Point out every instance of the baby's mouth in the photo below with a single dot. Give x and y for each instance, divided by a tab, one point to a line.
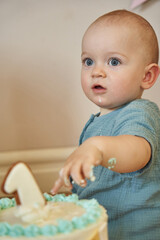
98	88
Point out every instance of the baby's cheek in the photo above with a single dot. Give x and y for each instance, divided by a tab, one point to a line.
85	85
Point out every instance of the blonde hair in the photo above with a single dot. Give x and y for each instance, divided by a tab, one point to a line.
146	33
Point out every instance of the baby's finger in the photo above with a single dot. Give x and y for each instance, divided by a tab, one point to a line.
88	171
77	175
58	184
64	175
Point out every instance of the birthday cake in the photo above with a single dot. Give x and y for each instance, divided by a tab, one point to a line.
50	217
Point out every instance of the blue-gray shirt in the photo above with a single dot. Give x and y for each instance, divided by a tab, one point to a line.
132	199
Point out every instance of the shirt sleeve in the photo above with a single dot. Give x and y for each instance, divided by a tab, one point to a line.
140	118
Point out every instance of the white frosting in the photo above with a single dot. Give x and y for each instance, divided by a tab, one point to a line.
42	215
36	214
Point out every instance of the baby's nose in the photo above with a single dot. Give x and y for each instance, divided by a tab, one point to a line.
98	71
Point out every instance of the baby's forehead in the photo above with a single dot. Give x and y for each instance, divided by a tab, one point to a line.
118	32
135	26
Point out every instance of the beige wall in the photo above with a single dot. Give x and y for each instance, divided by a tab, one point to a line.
42	104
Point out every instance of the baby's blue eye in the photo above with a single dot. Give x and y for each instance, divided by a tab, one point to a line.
88	62
114	62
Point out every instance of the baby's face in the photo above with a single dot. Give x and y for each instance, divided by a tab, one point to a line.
112	66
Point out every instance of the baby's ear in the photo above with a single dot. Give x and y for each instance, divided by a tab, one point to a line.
150	76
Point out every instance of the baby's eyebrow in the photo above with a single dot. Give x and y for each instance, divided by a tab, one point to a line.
117	53
83	53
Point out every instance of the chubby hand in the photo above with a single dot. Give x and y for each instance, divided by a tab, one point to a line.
79	166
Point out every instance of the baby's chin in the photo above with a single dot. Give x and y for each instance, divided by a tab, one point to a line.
104	104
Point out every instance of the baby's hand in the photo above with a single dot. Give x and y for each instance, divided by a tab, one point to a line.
79	166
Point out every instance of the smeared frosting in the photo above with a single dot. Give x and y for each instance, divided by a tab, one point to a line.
111	163
92	177
37	213
91	215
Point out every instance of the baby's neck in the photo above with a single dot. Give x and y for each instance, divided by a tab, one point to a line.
105	111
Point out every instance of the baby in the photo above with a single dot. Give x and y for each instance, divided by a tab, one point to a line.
120	145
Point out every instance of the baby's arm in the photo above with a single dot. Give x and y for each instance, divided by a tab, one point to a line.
131	153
